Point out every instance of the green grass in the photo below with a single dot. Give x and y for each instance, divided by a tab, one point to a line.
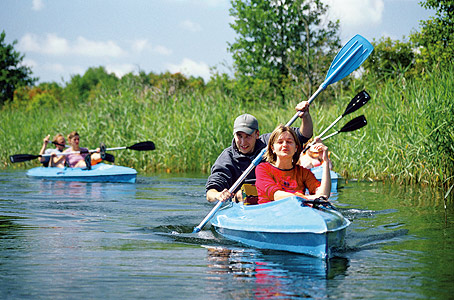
409	136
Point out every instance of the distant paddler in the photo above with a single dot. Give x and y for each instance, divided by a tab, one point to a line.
52	159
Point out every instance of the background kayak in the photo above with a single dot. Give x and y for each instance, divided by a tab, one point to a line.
99	173
334	177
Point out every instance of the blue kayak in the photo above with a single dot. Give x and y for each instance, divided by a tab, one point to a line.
99	173
283	225
318	171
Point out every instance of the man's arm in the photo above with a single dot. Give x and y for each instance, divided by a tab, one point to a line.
306	128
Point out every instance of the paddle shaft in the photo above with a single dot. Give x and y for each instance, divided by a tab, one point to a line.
296	115
323	133
218	205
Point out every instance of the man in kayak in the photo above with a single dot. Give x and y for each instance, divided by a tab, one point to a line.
246	145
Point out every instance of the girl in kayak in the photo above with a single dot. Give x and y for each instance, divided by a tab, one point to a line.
77	160
280	176
54	160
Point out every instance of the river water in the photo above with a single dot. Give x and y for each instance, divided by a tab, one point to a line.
72	240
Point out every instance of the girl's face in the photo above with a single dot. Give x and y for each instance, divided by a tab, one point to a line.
75	141
284	146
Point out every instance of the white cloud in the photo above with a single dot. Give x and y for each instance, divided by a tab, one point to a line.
356	13
162	50
211	3
85	47
55	45
142	45
139	46
57	68
191	68
121	69
29	63
191	26
37	5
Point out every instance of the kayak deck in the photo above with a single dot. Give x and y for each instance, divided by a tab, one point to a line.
283	225
99	173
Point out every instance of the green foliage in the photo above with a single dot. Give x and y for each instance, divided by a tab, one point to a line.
408	139
436	38
12	74
83	88
281	42
27	98
390	59
409	135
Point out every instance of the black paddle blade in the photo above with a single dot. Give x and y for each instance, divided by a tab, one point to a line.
358	101
22	157
143	146
109	157
58	144
354	124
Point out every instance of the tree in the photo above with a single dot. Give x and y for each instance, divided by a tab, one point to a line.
12	74
83	88
436	38
280	40
390	58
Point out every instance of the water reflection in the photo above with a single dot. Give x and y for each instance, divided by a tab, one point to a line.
273	274
71	190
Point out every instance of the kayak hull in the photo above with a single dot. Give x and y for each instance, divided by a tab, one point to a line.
99	173
283	225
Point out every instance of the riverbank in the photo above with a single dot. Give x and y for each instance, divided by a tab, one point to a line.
408	138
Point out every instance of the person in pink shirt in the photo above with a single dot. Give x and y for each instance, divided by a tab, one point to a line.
77	160
280	176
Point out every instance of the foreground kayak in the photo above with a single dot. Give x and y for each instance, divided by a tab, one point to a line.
318	171
99	173
283	225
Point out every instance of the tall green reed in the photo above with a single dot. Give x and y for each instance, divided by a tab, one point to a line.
409	137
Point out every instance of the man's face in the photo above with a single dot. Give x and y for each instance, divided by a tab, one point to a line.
246	142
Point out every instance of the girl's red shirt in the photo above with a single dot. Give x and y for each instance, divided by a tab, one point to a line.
271	179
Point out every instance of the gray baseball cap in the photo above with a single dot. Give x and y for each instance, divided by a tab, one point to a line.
246	123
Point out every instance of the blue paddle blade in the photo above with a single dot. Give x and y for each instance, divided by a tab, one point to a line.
351	56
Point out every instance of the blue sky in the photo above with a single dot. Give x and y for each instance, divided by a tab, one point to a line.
61	38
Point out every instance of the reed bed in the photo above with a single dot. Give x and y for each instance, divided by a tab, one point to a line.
409	136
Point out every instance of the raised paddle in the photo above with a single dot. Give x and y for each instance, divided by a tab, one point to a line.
142	146
358	101
350	57
352	125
